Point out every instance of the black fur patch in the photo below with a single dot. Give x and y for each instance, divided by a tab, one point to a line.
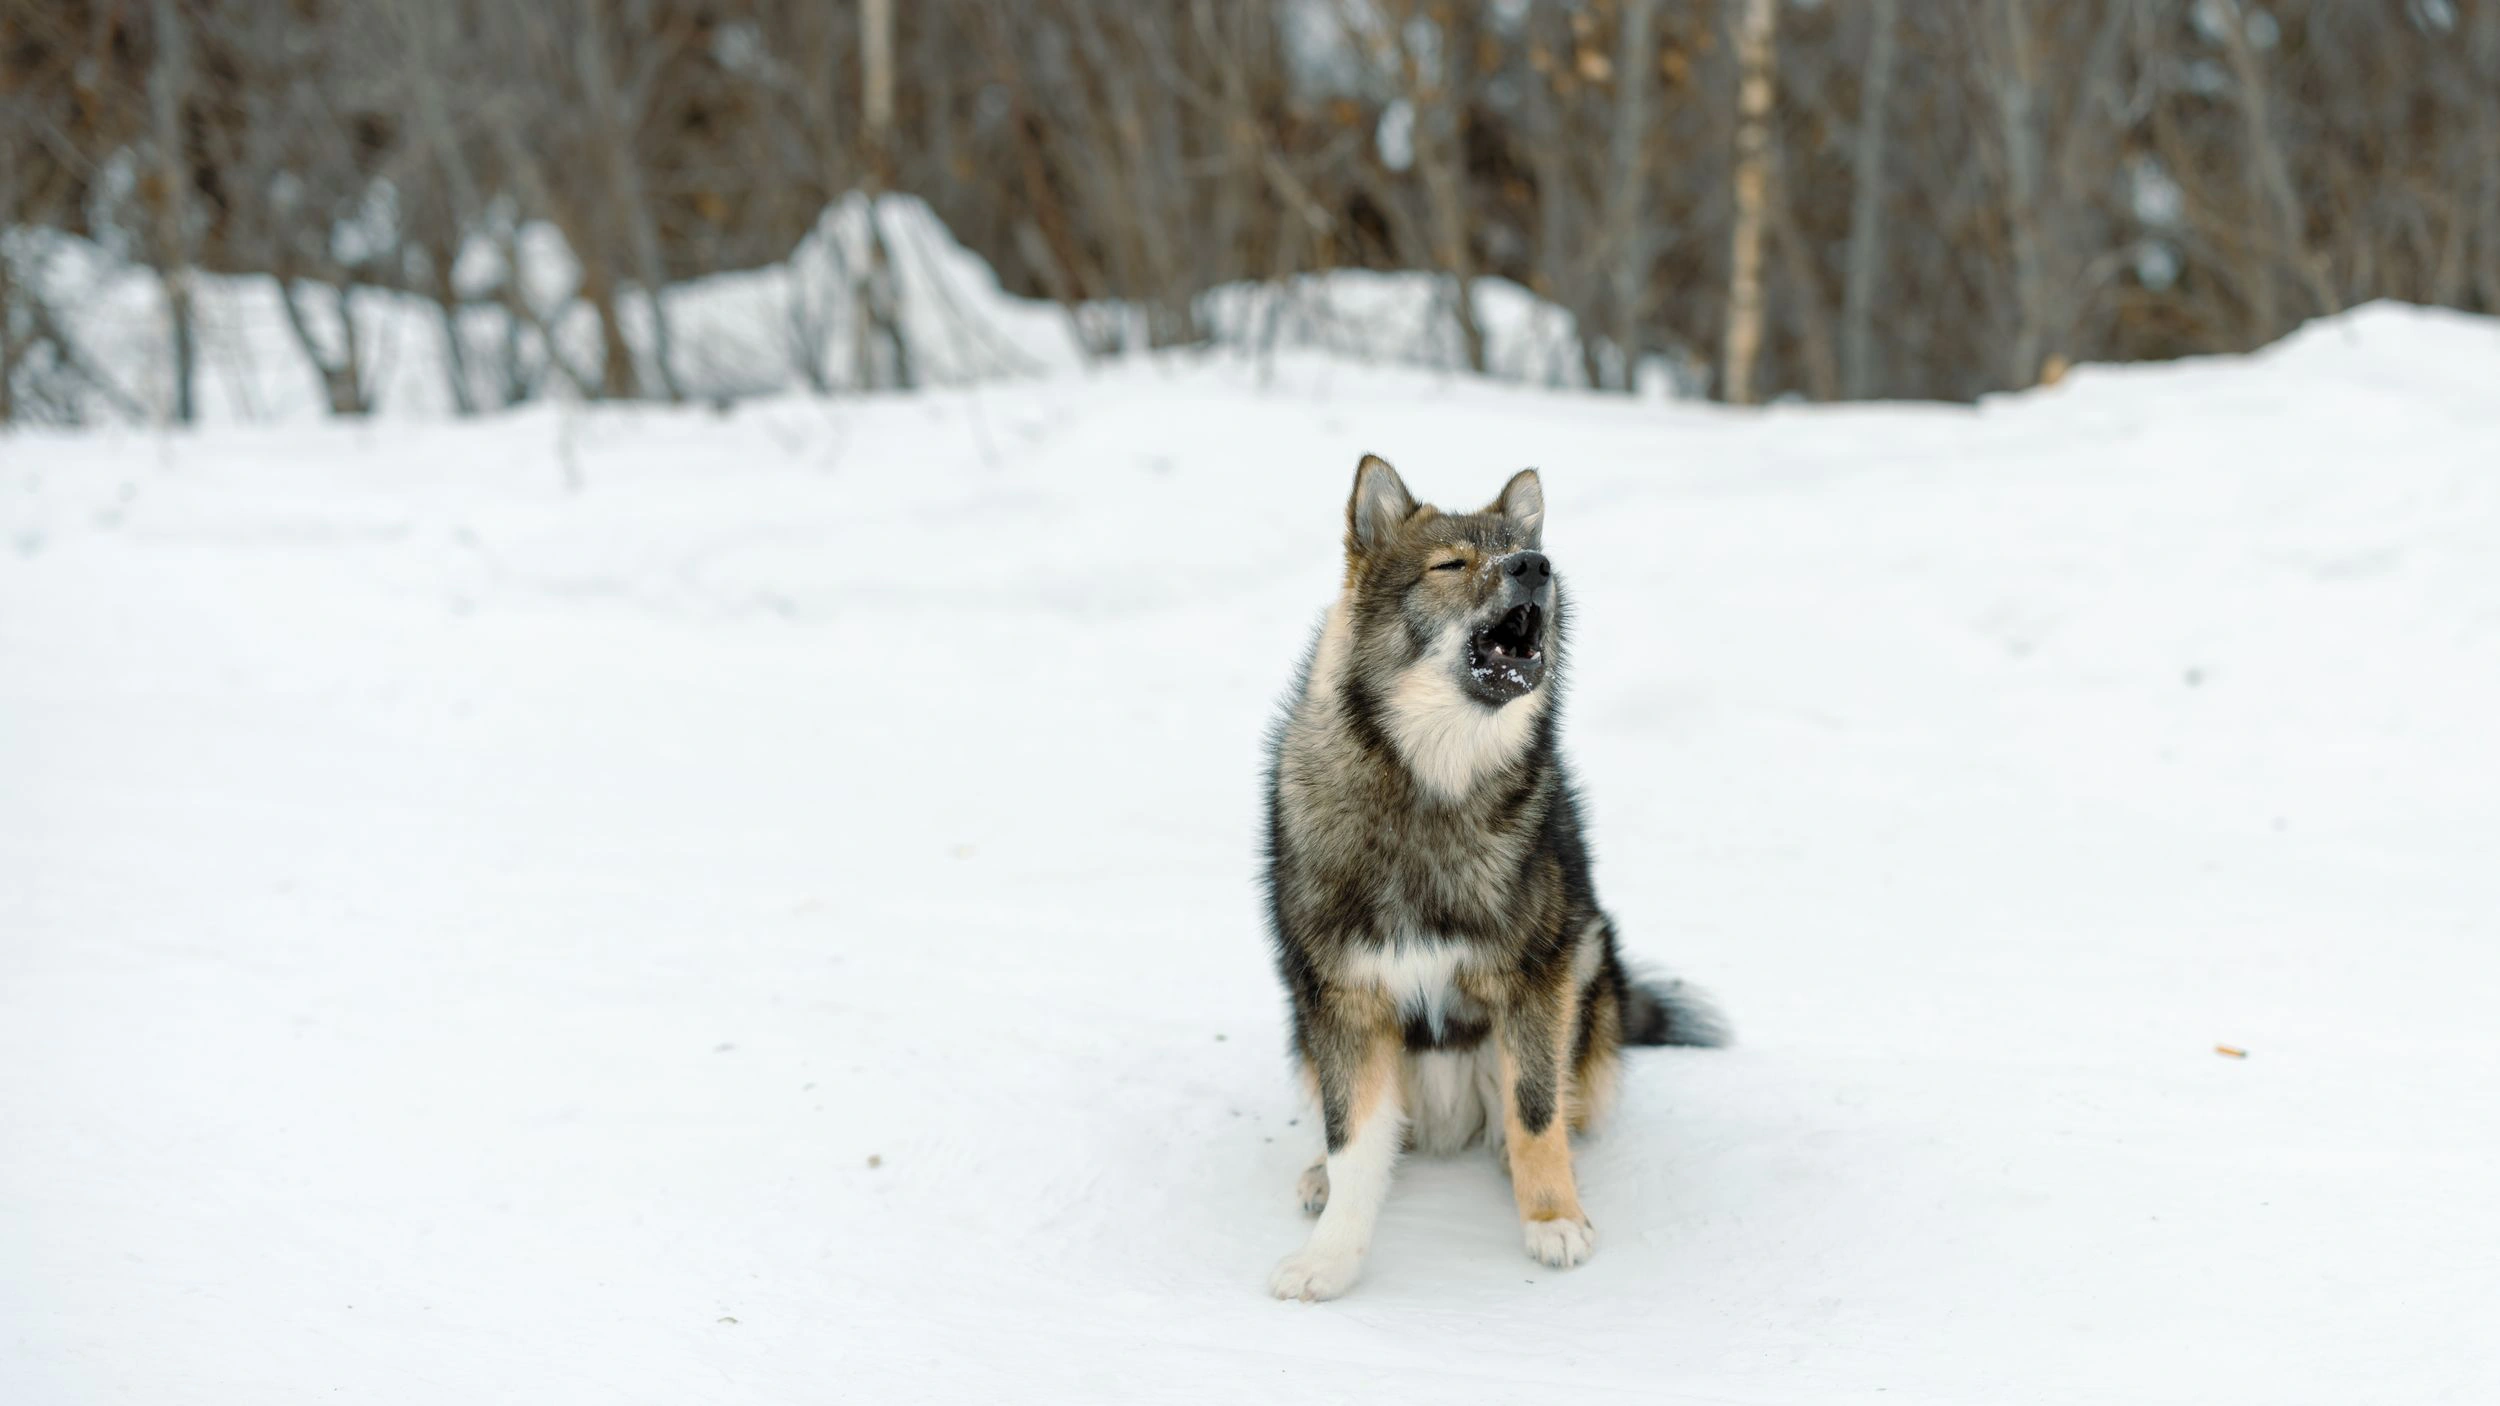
1671	1014
1537	1094
1455	1033
1362	712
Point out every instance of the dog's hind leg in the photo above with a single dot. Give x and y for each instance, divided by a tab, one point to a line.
1358	1086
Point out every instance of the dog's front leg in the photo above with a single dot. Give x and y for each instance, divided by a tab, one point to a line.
1355	1065
1536	1038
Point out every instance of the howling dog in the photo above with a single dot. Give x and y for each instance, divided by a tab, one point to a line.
1450	972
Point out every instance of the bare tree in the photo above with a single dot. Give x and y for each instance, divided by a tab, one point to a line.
2016	82
1437	86
168	85
2484	76
1756	52
618	112
340	369
1866	204
882	354
1626	223
1752	187
2271	174
1554	268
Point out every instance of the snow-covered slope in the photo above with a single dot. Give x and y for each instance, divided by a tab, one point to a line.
775	922
734	336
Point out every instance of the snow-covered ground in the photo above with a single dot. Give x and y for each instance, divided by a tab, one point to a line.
776	921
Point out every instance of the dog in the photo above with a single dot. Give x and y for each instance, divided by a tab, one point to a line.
1450	975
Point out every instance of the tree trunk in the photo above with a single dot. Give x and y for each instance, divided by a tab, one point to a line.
2487	70
1805	290
455	348
1556	278
418	19
616	371
2015	84
2270	179
1626	229
618	379
1756	55
876	297
166	91
1440	160
351	354
876	58
1866	207
625	187
341	376
11	348
11	345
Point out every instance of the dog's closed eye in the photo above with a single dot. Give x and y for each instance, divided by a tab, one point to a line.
1449	565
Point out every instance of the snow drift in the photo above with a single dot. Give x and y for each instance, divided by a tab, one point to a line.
792	326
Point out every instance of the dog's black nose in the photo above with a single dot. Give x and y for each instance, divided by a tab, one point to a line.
1530	568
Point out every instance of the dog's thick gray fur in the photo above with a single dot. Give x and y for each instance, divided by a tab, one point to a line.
1450	973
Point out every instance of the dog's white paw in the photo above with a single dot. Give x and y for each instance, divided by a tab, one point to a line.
1559	1242
1313	1188
1311	1275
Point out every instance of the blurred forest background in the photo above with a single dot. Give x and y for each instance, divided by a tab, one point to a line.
1829	199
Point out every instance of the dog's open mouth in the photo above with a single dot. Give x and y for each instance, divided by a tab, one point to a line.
1506	658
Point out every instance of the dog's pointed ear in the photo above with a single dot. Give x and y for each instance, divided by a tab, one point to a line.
1523	502
1379	504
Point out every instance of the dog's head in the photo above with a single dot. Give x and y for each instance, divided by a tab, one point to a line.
1463	599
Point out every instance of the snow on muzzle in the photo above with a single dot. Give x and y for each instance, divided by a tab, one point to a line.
1506	658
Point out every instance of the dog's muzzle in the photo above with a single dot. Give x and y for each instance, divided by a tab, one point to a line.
1506	657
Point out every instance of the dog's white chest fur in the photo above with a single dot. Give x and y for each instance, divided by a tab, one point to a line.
1417	974
1449	740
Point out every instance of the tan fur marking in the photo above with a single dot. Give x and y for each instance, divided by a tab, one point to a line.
1594	1082
1328	662
1540	1163
1378	1074
1379	1069
1594	1086
1352	1180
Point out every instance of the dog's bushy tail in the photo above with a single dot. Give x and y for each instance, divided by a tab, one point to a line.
1670	1013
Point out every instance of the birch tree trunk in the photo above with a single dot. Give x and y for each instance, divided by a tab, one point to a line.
1755	56
876	319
